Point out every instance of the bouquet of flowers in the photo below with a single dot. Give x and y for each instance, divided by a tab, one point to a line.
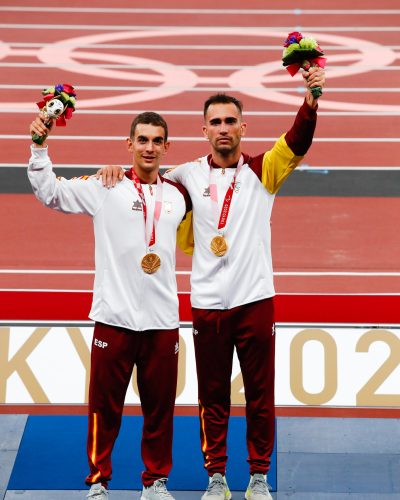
302	52
58	103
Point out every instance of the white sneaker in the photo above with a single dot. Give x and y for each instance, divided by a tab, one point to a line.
258	488
157	491
97	492
217	488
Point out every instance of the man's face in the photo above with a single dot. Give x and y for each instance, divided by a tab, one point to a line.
148	147
224	128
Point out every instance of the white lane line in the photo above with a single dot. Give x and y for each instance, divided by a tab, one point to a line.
32	52
295	88
149	46
344	168
129	27
59	271
201	139
302	168
62	165
121	10
362	274
44	290
270	47
46	271
199	113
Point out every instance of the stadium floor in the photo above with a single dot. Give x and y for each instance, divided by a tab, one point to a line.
318	459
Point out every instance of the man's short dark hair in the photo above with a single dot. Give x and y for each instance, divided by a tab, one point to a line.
222	99
150	118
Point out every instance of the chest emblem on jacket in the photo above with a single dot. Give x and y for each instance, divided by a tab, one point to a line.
206	191
137	206
167	207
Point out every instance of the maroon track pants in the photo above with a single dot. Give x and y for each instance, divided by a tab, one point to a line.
115	351
250	329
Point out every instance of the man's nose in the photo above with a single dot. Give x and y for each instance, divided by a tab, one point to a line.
223	129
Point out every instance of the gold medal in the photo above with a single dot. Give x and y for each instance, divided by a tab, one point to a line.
151	262
219	246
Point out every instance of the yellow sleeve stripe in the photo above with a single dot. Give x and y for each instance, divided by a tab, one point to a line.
278	164
185	236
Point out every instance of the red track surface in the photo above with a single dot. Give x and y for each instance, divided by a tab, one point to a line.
310	234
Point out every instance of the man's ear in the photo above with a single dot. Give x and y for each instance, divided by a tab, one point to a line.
129	144
166	146
204	129
243	127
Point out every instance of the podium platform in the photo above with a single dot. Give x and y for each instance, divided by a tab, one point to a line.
52	455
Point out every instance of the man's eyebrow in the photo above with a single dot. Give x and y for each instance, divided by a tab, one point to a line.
226	119
158	138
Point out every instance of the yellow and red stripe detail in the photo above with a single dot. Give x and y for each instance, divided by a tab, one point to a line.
93	455
203	430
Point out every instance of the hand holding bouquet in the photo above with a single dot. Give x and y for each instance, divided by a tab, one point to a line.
58	104
302	52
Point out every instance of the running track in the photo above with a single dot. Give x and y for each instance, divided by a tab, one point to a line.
170	59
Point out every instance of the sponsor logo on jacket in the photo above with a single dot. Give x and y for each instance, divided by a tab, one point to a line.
137	206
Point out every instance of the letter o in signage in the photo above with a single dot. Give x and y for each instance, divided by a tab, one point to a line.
297	371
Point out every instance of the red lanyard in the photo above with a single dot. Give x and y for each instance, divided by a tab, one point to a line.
152	221
226	205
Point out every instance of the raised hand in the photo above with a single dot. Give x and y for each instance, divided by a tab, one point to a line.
40	128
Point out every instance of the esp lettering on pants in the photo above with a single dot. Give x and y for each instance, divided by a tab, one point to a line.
100	343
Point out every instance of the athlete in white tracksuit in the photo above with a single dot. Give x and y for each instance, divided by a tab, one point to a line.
232	294
135	312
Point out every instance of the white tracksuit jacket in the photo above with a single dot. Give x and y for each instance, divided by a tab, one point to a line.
244	274
123	294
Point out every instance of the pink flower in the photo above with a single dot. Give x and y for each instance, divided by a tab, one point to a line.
293	37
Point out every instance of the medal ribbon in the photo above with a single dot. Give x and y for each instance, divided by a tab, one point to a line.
149	222
226	205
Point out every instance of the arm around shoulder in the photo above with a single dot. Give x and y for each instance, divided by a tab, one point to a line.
179	173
